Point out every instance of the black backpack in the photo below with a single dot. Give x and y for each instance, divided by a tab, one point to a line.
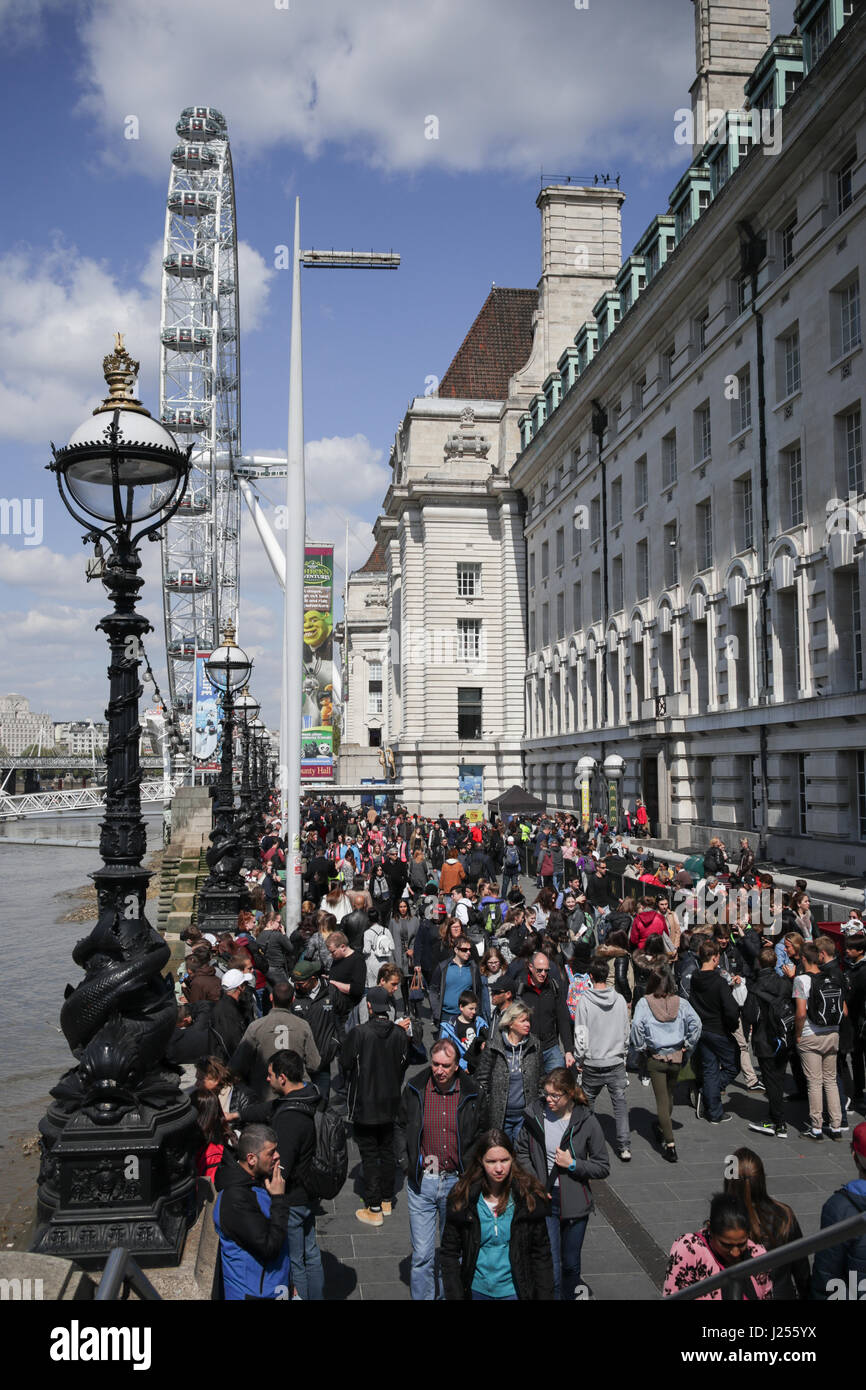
824	1005
781	1016
329	1165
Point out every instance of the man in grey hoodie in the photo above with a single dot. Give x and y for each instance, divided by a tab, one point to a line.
601	1030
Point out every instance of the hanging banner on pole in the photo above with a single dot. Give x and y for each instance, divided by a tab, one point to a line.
317	702
470	792
205	718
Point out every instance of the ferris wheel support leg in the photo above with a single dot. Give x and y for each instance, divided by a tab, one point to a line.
273	549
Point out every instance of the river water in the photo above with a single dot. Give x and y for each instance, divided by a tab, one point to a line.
37	884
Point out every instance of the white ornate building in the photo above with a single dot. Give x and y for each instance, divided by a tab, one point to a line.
694	473
20	727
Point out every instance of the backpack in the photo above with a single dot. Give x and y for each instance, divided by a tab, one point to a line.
824	1005
494	916
329	1165
381	948
512	858
781	1016
577	985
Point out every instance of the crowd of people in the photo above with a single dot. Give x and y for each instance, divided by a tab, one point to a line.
606	970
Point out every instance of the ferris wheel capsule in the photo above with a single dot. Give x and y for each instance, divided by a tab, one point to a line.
192	157
186	339
201	123
188	204
188	264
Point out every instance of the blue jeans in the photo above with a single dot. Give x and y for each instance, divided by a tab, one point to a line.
322	1079
614	1079
512	1126
720	1063
509	878
424	1207
552	1057
566	1243
307	1274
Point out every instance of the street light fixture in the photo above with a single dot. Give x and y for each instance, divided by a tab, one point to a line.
117	1142
220	897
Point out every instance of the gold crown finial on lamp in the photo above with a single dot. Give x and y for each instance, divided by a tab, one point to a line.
121	372
229	635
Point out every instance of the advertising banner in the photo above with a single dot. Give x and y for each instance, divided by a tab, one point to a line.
317	707
470	792
584	804
205	718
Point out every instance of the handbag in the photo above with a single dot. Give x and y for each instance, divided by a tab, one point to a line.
416	988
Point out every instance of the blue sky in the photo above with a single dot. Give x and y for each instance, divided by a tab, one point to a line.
327	99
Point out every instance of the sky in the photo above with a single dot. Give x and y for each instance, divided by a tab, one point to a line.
419	126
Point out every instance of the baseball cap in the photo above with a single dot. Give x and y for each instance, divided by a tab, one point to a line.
511	839
209	937
378	1000
858	1139
233	979
305	968
501	986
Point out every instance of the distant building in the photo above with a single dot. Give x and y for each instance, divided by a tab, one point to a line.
81	737
20	727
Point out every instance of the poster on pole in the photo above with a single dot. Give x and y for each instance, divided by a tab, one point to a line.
317	701
205	718
470	792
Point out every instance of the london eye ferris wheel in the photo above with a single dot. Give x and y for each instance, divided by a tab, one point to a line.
200	394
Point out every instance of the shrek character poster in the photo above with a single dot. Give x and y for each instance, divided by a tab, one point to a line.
317	709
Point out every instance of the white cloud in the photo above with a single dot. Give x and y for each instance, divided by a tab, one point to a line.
59	311
512	83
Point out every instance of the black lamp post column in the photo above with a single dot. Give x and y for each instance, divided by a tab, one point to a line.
223	891
249	808
118	1139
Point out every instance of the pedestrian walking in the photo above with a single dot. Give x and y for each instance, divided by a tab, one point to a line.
374	1057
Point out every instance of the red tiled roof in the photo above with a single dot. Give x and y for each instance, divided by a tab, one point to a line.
375	562
497	345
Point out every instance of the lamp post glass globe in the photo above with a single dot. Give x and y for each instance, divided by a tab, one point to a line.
247	708
229	667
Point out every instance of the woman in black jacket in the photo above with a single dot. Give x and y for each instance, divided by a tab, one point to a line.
495	1245
771	1224
581	1154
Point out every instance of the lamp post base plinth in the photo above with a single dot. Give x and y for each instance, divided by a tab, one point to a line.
129	1183
218	909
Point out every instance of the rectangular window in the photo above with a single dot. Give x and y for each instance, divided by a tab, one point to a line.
704	532
848	300
596	595
853	445
638	395
790	348
468	580
744	513
861	794
744	293
641	483
532	569
560	547
468	639
786	239
560	615
642	568
468	712
794	470
545	624
374	687
703	433
667	365
577	607
595	519
671	557
820	34
669	460
616	502
792	82
845	184
374	738
702	324
703	200
577	532
545	559
802	803
856	628
743	402
532	629
616	583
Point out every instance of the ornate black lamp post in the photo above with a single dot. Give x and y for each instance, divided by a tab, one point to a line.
261	761
223	891
118	1139
247	709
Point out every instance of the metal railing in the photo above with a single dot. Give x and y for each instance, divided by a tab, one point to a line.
738	1275
122	1273
86	798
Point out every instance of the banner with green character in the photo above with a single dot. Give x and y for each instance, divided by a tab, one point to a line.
317	709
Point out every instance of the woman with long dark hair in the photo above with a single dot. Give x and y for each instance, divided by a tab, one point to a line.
771	1223
722	1241
404	929
562	1143
495	1245
215	1132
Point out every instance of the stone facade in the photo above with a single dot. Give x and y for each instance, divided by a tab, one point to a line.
696	561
